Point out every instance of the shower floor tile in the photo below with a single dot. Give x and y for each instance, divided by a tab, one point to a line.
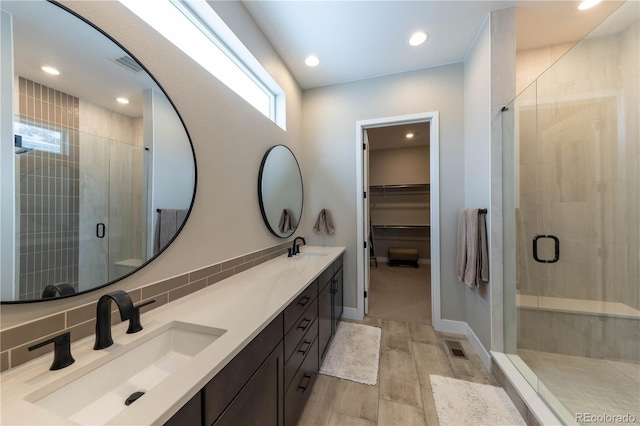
587	385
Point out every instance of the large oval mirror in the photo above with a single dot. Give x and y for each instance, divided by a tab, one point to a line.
102	168
280	191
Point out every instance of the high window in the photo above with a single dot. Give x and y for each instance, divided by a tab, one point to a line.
198	31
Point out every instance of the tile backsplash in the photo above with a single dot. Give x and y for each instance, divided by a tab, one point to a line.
80	321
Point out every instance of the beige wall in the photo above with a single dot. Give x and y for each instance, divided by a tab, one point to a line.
399	166
229	137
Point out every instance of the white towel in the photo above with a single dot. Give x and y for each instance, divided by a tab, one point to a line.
324	223
472	262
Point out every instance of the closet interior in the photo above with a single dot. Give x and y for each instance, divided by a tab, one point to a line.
399	190
399	229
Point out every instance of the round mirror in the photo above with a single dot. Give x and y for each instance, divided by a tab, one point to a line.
101	165
280	191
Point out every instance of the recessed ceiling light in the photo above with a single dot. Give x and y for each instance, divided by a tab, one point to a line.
418	38
50	70
588	4
312	61
123	101
409	135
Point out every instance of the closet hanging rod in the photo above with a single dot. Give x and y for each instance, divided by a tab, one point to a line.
410	185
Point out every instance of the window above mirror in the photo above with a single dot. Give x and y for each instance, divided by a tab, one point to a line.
195	28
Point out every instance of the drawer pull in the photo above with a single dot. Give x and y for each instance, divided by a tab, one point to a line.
305	350
304	301
307	377
334	285
304	327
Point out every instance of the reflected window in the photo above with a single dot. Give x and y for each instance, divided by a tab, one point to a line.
31	136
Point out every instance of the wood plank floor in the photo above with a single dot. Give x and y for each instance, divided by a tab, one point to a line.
409	353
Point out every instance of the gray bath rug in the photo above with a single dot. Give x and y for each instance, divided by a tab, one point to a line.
354	353
459	402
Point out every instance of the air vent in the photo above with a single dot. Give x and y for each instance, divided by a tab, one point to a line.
128	62
455	348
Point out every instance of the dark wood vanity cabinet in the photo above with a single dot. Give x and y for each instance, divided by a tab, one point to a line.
330	305
301	352
249	389
270	380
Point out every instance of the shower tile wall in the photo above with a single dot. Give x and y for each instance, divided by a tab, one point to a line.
49	192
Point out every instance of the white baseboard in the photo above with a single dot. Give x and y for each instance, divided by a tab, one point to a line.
460	327
350	313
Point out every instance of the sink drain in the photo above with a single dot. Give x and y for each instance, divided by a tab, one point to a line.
133	398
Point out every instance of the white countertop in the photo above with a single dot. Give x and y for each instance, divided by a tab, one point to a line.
243	305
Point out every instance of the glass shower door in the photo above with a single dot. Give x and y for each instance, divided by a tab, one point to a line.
127	218
94	212
571	152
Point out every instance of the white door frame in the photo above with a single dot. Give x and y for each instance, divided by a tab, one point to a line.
361	227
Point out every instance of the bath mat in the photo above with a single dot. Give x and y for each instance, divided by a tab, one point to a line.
354	353
459	402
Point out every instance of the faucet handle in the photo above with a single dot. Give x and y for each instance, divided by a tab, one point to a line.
134	322
61	350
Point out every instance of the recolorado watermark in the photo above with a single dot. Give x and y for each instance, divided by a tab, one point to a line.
605	418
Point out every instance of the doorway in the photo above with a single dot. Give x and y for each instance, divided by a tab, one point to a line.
398	209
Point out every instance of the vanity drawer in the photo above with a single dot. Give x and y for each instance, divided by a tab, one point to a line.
300	351
298	306
304	323
298	393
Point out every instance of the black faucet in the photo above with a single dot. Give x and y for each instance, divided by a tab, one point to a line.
103	316
61	350
295	249
134	323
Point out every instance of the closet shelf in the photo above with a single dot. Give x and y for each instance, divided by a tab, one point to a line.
403	232
408	189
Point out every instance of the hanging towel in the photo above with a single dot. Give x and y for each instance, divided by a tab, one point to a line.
324	223
461	258
287	223
167	225
472	263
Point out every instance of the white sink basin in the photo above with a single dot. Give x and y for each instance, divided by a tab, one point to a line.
310	254
97	392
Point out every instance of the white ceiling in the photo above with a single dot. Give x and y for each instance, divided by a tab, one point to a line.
356	40
45	34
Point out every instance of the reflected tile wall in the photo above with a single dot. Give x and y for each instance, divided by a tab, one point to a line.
49	192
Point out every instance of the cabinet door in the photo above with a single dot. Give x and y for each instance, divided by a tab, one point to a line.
325	307
189	415
260	402
228	383
338	300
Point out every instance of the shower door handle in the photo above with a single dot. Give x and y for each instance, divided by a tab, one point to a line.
556	248
100	228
